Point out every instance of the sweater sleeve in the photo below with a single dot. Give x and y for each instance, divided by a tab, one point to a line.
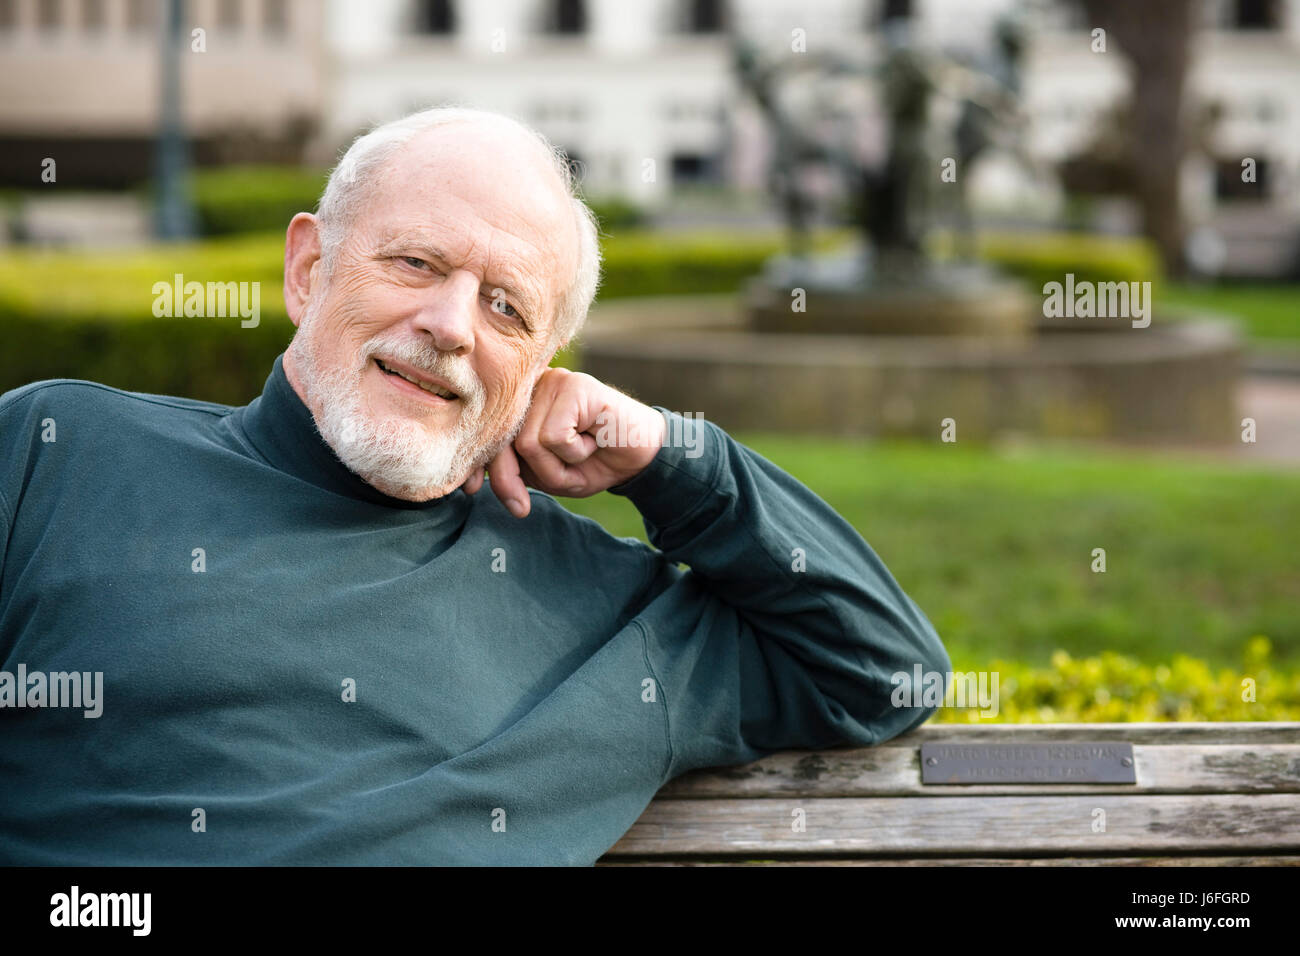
787	629
6	523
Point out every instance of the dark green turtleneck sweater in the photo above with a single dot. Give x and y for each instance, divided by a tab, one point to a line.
297	668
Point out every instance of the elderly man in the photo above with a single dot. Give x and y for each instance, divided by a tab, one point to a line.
312	636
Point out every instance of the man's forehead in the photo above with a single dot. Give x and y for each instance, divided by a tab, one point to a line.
496	163
466	185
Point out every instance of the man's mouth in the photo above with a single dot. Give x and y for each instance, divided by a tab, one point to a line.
431	387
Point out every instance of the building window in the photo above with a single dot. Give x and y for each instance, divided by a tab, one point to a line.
704	16
568	17
691	168
1228	184
228	16
47	14
895	10
435	16
140	14
92	15
275	17
1256	15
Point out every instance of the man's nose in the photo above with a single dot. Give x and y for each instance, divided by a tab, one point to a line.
449	311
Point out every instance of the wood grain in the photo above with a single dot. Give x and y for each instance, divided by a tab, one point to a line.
986	826
1207	794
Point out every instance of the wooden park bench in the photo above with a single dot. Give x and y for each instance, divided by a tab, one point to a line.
1201	793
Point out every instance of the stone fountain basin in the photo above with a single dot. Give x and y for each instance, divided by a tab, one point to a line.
1174	381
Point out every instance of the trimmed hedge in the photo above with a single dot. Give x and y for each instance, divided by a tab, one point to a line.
242	199
1042	257
89	315
233	200
639	264
76	315
70	314
617	214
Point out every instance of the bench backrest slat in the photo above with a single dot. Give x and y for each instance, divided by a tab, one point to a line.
1227	788
1003	825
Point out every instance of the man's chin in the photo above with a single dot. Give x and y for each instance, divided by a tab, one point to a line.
402	476
411	486
416	494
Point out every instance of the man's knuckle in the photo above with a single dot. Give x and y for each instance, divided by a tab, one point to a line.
555	435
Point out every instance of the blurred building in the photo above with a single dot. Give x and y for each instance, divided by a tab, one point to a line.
640	92
81	79
637	92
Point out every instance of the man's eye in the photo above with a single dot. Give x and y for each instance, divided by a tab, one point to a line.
505	308
414	261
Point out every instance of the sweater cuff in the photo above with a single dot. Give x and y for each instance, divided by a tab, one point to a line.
682	473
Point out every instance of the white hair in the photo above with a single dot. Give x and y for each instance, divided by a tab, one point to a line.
357	172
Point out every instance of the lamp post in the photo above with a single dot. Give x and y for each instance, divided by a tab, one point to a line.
174	217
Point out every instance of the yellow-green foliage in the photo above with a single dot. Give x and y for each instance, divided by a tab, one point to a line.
1114	688
73	314
652	263
118	285
1042	257
76	314
231	200
243	199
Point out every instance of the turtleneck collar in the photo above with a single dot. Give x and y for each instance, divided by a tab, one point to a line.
284	432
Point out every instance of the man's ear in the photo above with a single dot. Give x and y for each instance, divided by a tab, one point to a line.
301	264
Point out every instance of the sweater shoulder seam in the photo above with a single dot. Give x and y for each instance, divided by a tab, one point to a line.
182	404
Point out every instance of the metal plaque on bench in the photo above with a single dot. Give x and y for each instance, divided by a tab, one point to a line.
1060	762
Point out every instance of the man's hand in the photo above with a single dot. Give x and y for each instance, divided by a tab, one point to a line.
580	437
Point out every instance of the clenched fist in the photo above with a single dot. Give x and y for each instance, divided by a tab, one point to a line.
580	436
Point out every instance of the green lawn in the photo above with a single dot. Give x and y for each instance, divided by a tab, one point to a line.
997	547
1270	312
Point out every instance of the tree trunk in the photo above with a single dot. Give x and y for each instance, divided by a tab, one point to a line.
1156	36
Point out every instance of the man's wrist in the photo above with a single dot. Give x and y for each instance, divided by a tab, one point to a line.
682	472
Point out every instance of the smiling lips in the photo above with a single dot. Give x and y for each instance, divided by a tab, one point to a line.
431	386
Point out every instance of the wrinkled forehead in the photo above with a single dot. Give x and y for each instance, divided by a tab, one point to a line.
489	179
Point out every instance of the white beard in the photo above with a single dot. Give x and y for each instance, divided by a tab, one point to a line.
394	453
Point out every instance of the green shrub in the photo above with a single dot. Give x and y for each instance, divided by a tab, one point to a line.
691	263
97	307
1042	257
75	315
243	199
67	314
615	214
1114	688
656	264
